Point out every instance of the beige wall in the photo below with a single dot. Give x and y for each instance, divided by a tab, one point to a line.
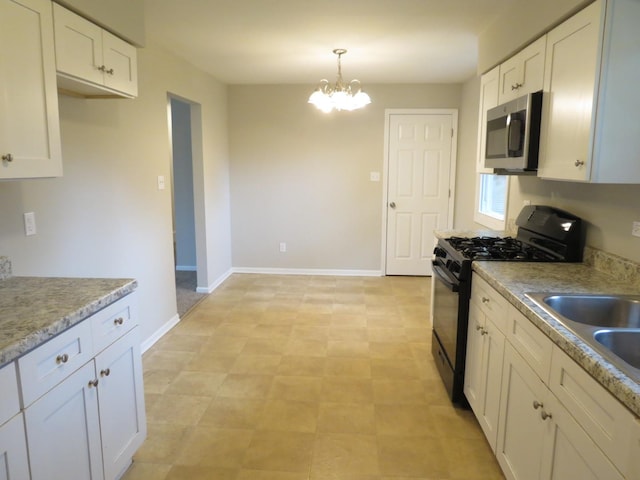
302	177
520	25
105	217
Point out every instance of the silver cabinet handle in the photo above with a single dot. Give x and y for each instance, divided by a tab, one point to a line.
392	204
485	300
579	163
537	405
544	415
516	86
105	373
93	383
62	358
7	157
118	321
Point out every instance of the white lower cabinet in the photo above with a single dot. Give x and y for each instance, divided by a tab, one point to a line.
14	463
538	438
123	423
521	431
544	416
89	424
485	349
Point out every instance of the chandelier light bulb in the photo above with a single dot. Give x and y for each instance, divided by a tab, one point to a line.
339	96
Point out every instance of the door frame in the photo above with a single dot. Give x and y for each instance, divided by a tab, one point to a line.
385	169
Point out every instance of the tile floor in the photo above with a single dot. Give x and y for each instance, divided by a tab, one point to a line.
305	378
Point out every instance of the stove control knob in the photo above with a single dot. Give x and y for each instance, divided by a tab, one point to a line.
439	252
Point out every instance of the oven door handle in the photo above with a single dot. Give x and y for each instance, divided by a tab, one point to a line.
446	278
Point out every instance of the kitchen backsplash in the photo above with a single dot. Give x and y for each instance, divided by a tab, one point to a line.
5	268
611	264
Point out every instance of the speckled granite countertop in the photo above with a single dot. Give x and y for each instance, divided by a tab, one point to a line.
34	309
514	279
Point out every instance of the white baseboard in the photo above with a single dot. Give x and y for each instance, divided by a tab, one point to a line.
186	268
216	283
309	271
158	334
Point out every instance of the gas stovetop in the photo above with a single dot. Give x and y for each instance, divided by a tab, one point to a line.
497	248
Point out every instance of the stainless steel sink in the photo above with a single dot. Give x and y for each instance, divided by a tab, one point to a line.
612	311
623	343
610	324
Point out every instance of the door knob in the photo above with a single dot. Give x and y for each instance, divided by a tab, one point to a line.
392	204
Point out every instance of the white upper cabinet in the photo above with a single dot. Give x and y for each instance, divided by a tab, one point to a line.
90	60
488	99
589	132
523	73
29	124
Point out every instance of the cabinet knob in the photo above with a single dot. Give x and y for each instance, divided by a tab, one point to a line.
484	332
109	72
62	358
579	163
93	383
516	86
118	321
485	300
392	204
105	373
7	157
537	405
544	415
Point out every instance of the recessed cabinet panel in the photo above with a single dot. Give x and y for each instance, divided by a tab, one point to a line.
29	124
14	462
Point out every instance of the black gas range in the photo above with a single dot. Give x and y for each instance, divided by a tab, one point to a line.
545	234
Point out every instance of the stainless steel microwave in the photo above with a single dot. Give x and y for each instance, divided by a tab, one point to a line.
513	135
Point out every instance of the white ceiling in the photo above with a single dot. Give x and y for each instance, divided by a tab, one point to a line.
291	41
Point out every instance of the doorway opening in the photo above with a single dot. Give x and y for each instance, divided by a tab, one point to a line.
184	172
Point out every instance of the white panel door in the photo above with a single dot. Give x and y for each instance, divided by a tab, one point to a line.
420	159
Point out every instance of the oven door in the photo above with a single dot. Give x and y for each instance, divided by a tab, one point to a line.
446	293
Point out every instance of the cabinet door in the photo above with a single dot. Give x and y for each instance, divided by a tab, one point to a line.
63	429
121	400
492	359
523	73
120	60
488	99
14	463
29	124
569	452
78	46
570	83
473	363
521	431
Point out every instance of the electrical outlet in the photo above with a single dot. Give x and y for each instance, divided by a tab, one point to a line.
161	183
283	247
374	176
635	229
29	223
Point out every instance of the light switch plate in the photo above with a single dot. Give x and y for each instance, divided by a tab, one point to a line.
29	224
161	183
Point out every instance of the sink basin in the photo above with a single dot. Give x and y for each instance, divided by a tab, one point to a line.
610	324
611	311
624	344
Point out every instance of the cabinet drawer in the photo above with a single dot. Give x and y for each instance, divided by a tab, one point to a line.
530	342
491	303
49	364
604	419
9	400
112	322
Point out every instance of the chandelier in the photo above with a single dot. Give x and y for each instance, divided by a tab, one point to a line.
340	96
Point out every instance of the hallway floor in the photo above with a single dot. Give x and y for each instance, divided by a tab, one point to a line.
305	378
